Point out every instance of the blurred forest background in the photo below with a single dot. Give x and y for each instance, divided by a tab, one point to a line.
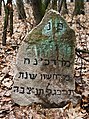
17	18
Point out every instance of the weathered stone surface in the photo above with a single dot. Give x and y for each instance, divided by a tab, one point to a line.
45	64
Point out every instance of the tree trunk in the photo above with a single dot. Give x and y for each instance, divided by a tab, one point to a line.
11	21
45	5
39	7
72	0
60	3
79	7
0	6
54	4
20	9
5	25
65	10
8	11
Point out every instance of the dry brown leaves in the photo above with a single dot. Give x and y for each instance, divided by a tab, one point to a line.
10	110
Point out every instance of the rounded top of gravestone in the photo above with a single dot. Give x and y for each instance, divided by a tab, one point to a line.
52	22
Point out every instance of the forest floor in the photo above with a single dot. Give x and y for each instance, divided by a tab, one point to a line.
10	110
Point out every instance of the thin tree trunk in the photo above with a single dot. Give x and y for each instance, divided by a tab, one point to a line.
60	3
20	9
65	10
8	11
0	6
11	20
5	25
79	7
54	4
72	0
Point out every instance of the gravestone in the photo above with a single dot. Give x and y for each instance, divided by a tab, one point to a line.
45	64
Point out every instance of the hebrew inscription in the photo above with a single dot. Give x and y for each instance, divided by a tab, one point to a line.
45	64
39	91
35	61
